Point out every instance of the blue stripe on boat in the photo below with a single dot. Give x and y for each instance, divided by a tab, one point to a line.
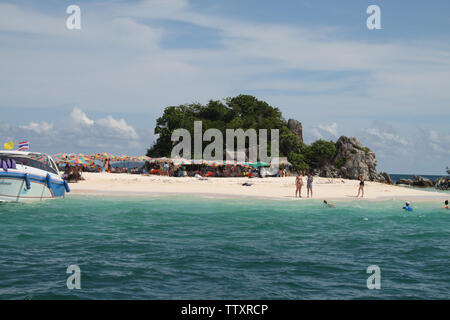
57	187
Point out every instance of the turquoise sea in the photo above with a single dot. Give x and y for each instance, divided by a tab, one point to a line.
198	248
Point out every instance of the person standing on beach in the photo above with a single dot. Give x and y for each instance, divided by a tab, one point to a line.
361	186
309	182
299	184
107	164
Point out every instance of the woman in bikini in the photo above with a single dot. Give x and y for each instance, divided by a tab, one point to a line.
299	184
309	182
361	186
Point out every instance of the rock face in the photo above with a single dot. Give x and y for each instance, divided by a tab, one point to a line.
407	182
384	177
351	160
355	159
417	181
296	127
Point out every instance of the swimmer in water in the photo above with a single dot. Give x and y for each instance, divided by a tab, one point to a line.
445	205
330	205
407	206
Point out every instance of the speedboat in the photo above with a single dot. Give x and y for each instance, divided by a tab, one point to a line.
27	176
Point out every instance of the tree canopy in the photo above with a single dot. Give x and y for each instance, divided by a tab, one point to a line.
240	112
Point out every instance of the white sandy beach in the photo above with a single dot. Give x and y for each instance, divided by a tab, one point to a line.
110	184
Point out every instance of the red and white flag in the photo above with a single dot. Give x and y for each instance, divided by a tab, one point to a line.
24	145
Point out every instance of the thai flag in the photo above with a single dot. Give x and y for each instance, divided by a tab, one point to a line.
24	145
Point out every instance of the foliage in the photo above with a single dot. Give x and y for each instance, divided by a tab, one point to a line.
298	161
339	163
320	152
240	112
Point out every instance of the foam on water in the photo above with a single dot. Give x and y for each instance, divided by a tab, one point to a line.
196	248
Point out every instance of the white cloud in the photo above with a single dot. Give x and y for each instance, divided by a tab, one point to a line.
39	127
79	117
76	132
119	127
385	138
107	127
129	65
325	131
17	19
332	128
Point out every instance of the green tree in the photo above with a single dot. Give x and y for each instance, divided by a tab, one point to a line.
298	160
244	112
320	153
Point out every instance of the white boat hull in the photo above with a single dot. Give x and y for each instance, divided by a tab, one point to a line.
13	187
29	176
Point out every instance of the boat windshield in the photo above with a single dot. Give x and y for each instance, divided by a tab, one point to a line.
41	162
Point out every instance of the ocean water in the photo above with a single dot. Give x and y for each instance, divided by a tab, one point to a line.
198	248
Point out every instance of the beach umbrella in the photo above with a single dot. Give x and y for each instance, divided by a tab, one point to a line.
229	163
259	164
103	156
121	157
84	157
199	161
59	156
143	158
164	159
78	161
284	162
217	163
182	162
243	164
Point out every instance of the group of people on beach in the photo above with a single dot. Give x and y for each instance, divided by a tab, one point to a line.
299	184
172	170
309	188
73	173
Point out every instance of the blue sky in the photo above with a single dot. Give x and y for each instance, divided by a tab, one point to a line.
102	87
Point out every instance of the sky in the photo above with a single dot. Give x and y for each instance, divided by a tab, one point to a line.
101	88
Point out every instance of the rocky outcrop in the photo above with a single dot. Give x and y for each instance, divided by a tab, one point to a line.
384	177
353	159
296	127
407	182
417	181
328	171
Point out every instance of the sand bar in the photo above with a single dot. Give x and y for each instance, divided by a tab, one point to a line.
110	184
